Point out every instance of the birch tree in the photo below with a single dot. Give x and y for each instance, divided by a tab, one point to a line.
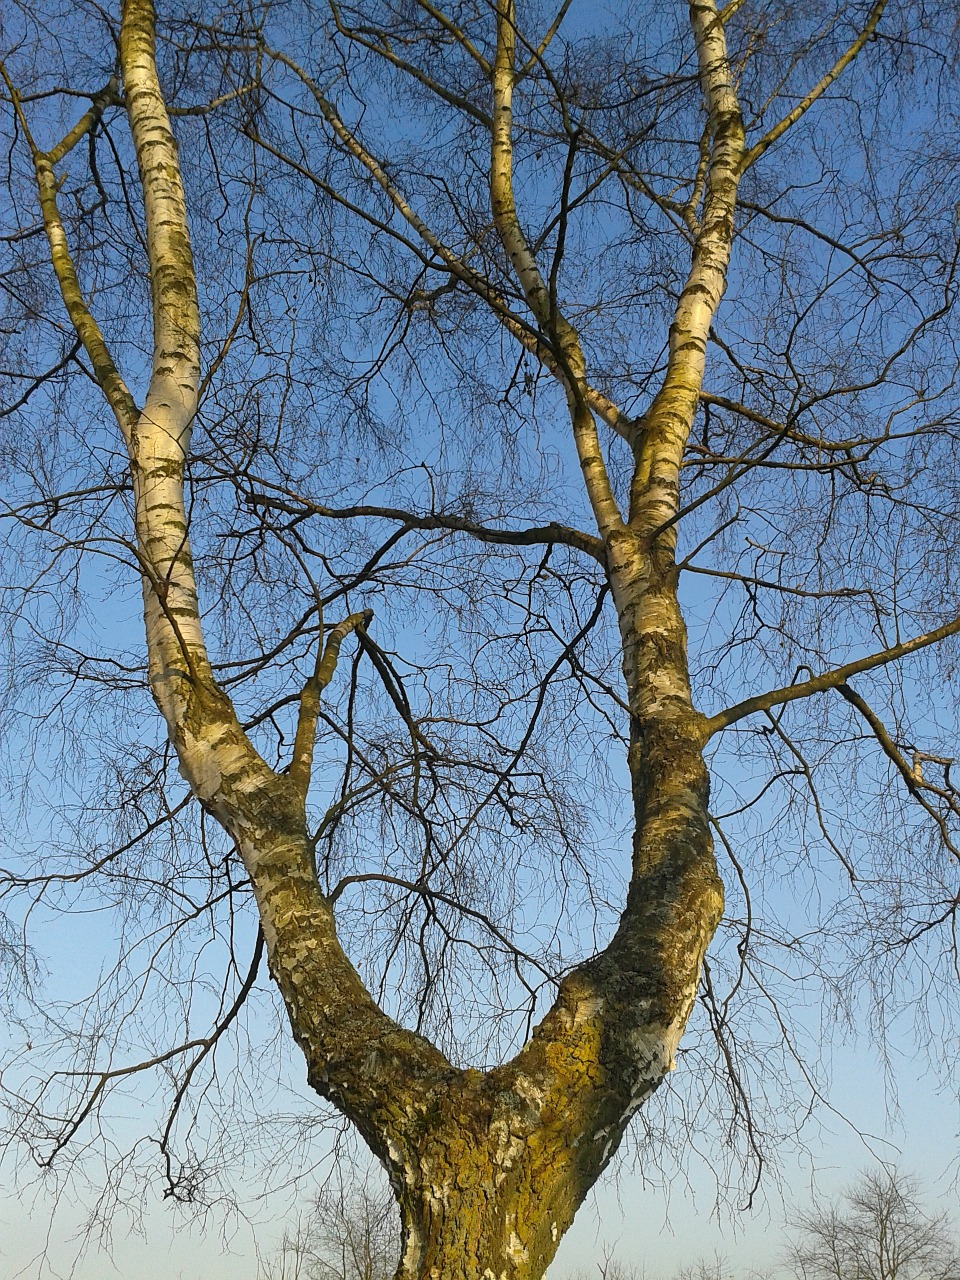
435	328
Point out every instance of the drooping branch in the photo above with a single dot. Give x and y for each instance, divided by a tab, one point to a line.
200	1047
426	892
41	380
912	772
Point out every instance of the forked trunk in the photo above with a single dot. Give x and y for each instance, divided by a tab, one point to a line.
508	1157
489	1168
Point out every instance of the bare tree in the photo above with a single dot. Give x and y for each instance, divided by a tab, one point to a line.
402	316
613	1268
348	1235
610	1268
879	1231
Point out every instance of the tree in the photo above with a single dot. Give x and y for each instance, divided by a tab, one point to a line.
880	1232
347	1236
610	1268
402	315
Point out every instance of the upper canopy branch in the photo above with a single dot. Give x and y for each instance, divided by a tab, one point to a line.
541	299
534	535
533	337
826	680
782	430
536	54
87	329
781	127
655	490
448	25
381	46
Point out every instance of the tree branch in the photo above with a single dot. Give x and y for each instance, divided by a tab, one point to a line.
841	64
562	335
535	535
88	331
327	655
911	774
826	680
654	497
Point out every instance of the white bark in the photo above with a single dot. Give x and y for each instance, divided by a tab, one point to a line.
655	496
160	439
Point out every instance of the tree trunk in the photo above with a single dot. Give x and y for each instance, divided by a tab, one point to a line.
498	1163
